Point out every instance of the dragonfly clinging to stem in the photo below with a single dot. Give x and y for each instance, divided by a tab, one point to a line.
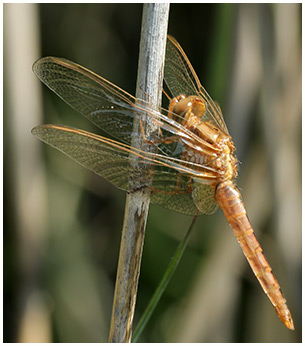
193	162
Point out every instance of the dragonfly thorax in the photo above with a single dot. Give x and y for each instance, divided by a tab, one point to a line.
211	147
226	161
218	161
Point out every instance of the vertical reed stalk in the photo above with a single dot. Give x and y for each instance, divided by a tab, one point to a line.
149	88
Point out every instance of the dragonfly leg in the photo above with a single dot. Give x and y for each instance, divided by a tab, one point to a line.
189	184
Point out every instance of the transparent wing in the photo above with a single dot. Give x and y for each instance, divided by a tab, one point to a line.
181	79
109	107
103	103
172	178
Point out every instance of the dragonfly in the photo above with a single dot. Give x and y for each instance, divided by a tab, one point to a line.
193	164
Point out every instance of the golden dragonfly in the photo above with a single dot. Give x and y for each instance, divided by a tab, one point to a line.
193	161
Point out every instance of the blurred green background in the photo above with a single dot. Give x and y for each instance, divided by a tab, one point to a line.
62	224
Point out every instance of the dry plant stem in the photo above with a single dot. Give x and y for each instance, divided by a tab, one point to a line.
149	88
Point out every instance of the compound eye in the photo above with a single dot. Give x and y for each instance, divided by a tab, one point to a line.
183	105
198	107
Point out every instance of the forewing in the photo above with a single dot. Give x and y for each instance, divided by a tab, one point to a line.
181	79
171	187
109	107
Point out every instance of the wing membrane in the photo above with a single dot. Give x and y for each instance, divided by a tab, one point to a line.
171	186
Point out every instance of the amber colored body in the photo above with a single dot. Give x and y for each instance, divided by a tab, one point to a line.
219	154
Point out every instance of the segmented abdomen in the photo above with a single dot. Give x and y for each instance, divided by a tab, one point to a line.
229	199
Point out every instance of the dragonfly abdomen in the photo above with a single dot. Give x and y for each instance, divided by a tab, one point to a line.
229	199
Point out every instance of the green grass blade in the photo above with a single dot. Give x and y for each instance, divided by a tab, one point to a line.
163	284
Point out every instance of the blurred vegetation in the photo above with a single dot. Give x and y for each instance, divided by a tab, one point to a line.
60	279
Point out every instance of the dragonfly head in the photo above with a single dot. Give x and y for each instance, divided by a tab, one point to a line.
181	108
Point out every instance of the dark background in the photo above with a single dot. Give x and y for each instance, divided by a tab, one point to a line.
62	224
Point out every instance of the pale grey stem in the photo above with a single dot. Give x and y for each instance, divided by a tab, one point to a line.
149	89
